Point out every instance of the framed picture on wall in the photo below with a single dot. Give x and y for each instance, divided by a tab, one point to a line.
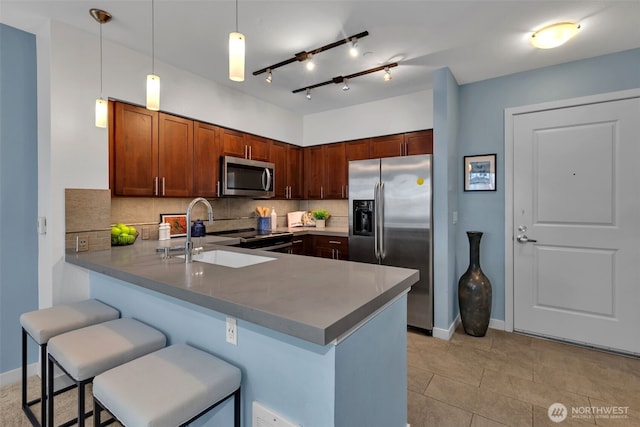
480	172
177	224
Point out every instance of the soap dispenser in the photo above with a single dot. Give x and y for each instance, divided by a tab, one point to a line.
274	219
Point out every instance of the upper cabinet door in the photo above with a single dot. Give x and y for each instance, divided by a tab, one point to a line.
206	160
295	178
335	172
314	172
278	156
257	147
387	146
233	143
175	156
135	151
419	142
358	149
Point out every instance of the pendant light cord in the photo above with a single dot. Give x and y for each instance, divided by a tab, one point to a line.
236	16
101	60
153	40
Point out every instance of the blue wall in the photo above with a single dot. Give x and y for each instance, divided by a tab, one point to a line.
481	131
18	189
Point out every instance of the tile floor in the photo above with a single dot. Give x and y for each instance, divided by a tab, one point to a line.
510	379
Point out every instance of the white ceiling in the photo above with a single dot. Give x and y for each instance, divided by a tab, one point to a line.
477	39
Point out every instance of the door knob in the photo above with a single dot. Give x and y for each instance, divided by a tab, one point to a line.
522	238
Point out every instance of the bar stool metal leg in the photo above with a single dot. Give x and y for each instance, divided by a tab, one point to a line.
26	404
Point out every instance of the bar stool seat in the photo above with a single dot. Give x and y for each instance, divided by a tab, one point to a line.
84	353
169	387
41	325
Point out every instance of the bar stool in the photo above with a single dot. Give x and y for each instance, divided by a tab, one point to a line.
43	324
84	353
170	387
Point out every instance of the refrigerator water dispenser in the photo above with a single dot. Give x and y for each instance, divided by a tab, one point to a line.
363	217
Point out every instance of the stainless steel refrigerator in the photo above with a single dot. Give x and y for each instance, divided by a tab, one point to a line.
390	223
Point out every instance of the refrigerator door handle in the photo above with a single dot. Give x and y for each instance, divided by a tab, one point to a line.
382	220
376	230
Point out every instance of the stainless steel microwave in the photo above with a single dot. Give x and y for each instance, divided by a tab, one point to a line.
249	178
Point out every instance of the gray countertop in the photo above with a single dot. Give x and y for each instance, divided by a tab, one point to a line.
314	299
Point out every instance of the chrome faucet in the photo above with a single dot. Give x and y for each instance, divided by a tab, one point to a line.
188	247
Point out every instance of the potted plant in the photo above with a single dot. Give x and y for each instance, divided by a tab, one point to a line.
321	216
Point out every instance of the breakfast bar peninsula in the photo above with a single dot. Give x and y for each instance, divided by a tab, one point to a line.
319	342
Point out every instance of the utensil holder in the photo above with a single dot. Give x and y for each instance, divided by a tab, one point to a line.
264	223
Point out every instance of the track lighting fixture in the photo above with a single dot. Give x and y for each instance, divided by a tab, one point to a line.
236	53
269	78
101	113
345	79
310	64
153	81
353	50
304	56
387	75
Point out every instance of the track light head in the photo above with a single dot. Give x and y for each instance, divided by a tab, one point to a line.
309	94
353	50
345	86
269	78
310	64
387	75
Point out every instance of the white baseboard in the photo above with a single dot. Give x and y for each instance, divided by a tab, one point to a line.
497	324
15	375
446	334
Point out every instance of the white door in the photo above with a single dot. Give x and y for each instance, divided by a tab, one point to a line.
576	198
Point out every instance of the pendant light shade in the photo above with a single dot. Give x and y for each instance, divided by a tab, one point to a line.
101	113
236	57
153	81
153	92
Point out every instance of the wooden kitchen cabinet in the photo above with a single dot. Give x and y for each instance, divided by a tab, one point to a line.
331	247
175	156
244	145
406	144
314	172
420	142
358	149
287	159
325	172
206	160
134	155
152	153
300	245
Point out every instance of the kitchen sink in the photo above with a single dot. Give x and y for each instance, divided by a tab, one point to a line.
229	259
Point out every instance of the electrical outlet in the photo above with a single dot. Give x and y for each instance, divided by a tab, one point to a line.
232	331
82	243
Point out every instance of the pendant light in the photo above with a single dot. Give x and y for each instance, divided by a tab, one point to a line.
153	81
236	53
101	17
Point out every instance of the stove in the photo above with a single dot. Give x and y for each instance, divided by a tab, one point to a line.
250	238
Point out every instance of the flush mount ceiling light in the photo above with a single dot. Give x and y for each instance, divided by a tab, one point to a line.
345	79
101	17
236	53
304	56
554	35
153	81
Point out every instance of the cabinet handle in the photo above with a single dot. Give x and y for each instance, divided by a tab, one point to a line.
245	152
297	241
218	188
155	186
321	192
334	242
163	186
250	152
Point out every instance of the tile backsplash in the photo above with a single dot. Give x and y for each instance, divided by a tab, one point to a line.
91	213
